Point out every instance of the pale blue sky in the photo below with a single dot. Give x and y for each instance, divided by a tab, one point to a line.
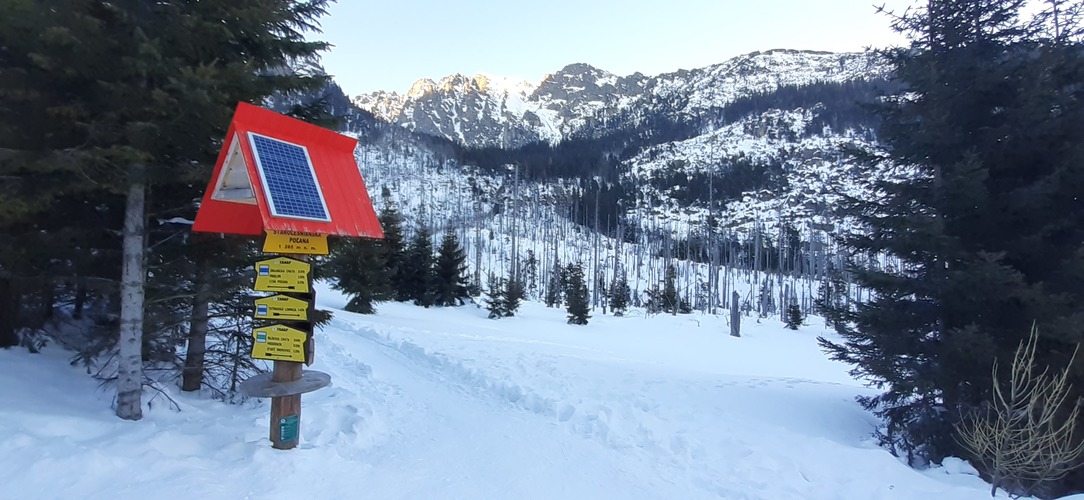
387	45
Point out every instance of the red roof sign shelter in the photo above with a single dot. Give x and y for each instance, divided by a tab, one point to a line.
276	173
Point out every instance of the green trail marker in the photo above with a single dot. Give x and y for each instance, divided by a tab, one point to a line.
288	427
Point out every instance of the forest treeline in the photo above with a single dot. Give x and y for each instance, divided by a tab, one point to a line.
989	225
111	116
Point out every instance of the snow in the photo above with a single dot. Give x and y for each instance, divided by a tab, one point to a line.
445	403
819	175
504	85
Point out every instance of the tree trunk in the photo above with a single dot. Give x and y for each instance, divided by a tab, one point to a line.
48	300
197	331
80	299
595	292
130	341
515	225
735	316
8	338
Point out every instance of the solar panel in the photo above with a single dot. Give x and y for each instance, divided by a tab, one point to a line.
288	178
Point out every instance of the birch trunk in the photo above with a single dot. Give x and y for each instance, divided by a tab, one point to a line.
130	341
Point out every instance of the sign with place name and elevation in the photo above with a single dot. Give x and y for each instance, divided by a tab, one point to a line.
295	242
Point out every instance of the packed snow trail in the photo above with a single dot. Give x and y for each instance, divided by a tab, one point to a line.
473	448
681	429
444	403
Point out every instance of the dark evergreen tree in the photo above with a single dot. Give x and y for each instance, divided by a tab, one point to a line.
495	296
554	286
530	273
417	269
120	97
987	223
620	295
794	317
450	280
220	321
357	267
514	292
577	302
393	248
671	302
831	300
766	297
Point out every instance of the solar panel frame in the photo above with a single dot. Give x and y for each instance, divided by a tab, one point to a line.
298	197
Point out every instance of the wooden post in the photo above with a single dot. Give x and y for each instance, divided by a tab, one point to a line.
287	339
286	410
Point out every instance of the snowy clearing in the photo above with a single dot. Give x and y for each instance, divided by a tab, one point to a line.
445	403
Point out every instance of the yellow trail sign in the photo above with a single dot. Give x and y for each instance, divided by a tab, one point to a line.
282	307
279	343
282	274
295	242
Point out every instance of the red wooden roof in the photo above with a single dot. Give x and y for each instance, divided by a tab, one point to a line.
337	175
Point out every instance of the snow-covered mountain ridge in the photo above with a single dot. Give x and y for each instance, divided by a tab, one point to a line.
480	111
754	145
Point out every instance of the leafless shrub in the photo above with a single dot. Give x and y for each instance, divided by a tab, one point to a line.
1025	439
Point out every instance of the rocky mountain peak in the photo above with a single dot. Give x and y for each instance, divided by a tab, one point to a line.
421	88
482	110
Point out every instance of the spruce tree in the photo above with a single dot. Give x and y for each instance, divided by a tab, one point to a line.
620	295
393	250
576	299
986	151
530	273
513	294
794	317
450	277
417	269
357	267
554	286
832	297
122	96
222	288
671	302
495	296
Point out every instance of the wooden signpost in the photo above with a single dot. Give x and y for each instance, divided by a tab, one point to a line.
287	340
293	184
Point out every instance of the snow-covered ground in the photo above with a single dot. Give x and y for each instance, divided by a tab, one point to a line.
447	404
